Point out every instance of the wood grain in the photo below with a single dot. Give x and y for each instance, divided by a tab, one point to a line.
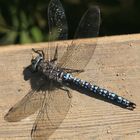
115	65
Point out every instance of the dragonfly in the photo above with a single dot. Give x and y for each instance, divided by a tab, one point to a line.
51	93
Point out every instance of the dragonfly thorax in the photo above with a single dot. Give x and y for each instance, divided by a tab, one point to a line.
46	67
50	70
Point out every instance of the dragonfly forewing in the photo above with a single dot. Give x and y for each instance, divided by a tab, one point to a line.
58	28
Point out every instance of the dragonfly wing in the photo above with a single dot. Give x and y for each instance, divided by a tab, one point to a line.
30	103
58	28
26	107
54	109
57	19
78	55
89	24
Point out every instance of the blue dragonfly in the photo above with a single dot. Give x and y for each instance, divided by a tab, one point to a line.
52	78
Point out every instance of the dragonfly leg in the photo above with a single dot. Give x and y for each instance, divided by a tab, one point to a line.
55	58
68	92
40	52
72	70
56	54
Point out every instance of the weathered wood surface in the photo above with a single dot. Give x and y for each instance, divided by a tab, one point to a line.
115	65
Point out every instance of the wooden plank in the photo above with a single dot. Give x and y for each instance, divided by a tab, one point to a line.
115	65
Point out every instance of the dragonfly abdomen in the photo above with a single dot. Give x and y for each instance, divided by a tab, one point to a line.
97	90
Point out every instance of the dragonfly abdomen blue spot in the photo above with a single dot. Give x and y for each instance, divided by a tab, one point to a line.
67	76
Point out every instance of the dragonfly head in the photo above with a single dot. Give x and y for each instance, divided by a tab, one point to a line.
36	59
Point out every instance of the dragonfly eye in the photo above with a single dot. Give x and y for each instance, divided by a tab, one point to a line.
35	62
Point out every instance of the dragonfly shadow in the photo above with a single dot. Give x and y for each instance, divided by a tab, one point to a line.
38	81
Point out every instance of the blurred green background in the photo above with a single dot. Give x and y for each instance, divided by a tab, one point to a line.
25	21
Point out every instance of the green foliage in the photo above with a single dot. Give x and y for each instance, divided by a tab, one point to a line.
23	21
